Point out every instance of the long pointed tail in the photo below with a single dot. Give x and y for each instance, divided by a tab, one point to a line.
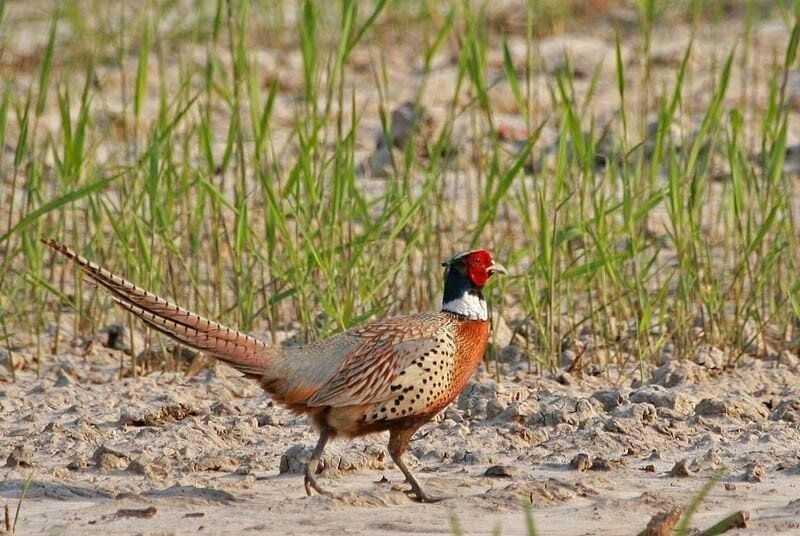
243	352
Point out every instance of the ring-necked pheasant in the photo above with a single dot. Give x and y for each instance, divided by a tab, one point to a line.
393	374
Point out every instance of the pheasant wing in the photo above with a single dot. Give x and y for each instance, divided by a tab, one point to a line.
388	349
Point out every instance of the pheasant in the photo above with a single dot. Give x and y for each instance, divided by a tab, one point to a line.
394	374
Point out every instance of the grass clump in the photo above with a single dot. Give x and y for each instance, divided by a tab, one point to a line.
216	156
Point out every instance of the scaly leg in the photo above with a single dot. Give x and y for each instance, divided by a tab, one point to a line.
313	464
398	443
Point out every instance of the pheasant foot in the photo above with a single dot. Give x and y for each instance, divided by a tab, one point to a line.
313	465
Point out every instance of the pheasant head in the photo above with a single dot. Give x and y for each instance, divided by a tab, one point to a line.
465	275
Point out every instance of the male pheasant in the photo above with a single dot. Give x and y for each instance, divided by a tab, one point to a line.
393	374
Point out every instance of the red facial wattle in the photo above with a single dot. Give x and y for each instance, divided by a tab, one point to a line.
478	264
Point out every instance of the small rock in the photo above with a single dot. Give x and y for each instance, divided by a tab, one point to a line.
501	332
565	378
141	513
617	426
21	456
649	468
63	379
754	472
78	463
604	464
787	410
730	486
216	462
711	357
495	408
711	459
610	399
709	407
370	458
53	428
654	455
267	419
160	416
680	469
678	372
406	119
469	457
114	337
151	470
475	399
518	412
662	523
244	470
660	397
581	462
296	457
643	412
739	406
501	471
108	460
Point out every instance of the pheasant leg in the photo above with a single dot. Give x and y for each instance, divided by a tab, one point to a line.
398	442
313	465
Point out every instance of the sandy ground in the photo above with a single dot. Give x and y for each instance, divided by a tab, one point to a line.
209	454
171	454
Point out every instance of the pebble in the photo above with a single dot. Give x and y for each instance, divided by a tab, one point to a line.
735	406
114	337
216	462
610	399
787	410
153	471
660	397
108	460
754	472
21	456
581	462
501	471
680	469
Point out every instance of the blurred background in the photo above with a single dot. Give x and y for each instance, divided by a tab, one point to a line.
297	168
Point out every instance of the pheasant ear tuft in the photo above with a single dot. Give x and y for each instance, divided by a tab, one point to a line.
473	256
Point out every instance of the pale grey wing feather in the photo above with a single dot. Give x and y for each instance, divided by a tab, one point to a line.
386	349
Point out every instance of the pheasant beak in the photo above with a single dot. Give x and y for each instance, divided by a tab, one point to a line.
497	268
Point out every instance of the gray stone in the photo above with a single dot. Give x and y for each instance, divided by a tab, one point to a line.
739	407
788	410
661	397
296	457
63	379
754	472
711	357
21	456
674	373
108	460
610	399
501	471
680	469
152	470
216	462
582	462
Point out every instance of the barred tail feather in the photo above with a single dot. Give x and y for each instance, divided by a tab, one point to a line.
243	352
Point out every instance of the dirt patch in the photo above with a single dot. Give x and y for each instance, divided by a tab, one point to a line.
213	444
